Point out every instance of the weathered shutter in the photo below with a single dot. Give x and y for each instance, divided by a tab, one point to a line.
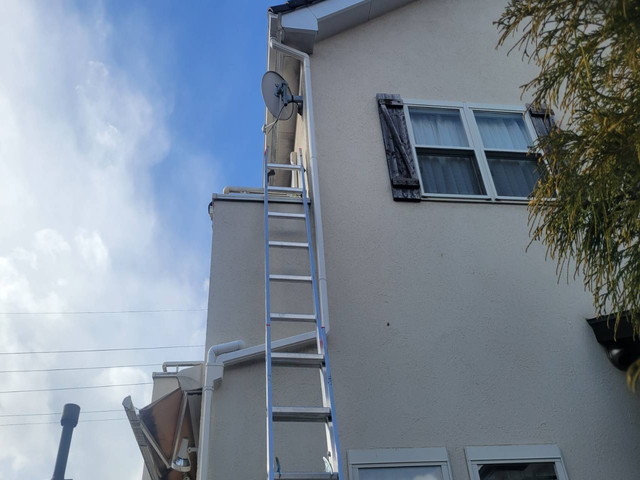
405	184
542	119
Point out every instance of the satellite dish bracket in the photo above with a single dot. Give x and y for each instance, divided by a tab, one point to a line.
283	91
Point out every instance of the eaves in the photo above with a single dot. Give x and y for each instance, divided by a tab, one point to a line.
304	22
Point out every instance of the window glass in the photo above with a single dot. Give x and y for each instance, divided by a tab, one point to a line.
518	471
452	174
401	473
504	131
438	127
514	177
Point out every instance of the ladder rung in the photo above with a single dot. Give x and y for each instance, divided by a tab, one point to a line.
287	215
301	414
289	244
307	476
290	278
297	359
293	317
284	166
284	189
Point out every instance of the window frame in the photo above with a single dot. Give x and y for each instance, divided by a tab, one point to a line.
398	457
505	454
476	146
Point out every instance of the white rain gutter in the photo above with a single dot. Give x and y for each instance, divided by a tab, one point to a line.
311	140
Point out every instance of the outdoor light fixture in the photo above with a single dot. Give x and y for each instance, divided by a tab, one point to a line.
622	346
181	461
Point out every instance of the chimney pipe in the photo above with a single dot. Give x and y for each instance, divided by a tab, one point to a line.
69	420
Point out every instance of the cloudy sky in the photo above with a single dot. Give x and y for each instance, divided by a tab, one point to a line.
118	119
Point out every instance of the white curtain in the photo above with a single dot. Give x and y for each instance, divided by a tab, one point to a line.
514	177
450	174
438	127
400	473
504	131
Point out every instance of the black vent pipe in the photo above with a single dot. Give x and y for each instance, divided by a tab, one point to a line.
69	420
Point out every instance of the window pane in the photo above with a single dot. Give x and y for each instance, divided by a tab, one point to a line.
505	131
438	126
455	174
400	473
518	471
514	177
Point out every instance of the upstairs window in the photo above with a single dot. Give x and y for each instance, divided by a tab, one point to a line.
475	152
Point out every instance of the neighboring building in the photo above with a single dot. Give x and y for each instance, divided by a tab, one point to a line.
456	353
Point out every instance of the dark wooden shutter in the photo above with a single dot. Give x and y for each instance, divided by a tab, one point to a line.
542	119
405	184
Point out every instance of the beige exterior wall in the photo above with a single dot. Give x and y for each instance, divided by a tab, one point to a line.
445	329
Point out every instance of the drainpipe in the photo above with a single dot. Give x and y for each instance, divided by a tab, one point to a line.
213	371
311	139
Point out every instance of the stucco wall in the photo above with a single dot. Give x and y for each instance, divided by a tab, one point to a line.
445	329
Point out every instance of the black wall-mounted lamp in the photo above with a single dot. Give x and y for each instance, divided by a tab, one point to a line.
622	347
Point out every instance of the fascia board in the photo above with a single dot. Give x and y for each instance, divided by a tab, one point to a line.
324	19
335	16
300	29
302	19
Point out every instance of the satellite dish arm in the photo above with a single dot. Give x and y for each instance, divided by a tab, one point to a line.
287	98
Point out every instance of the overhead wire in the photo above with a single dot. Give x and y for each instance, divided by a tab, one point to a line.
81	368
52	423
85	387
93	312
106	312
99	350
56	413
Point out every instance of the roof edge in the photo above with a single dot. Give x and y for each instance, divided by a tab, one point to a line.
292	5
304	22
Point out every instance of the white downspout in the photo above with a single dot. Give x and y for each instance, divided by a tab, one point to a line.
311	139
213	371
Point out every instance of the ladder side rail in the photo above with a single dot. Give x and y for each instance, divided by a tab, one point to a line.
331	427
267	308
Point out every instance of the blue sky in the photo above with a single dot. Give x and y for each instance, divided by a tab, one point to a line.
118	120
206	61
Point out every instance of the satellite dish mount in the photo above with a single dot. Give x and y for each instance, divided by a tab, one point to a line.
278	97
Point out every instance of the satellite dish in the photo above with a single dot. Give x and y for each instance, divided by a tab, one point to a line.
277	96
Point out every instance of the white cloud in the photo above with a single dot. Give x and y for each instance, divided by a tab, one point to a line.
92	249
50	242
79	137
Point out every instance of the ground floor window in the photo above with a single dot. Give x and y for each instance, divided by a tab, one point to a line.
399	464
515	462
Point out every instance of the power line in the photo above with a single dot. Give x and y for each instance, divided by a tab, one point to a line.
77	388
79	368
107	312
100	350
52	423
56	413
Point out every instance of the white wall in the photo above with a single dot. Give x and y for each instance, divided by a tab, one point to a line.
445	330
